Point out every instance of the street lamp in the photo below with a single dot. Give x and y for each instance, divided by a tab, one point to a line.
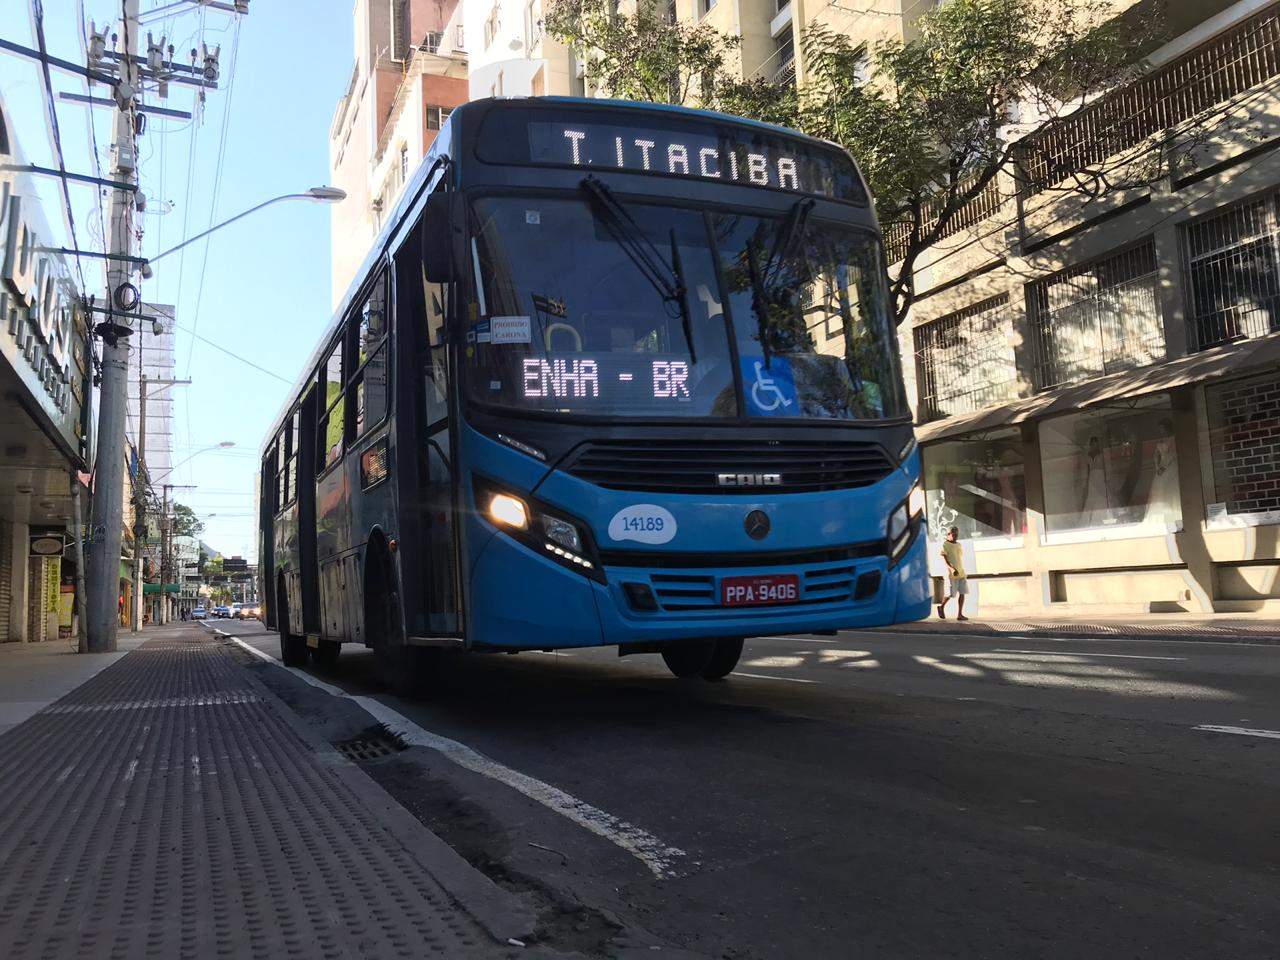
321	194
224	445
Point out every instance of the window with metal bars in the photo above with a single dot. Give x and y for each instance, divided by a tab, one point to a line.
1232	271
964	361
1099	318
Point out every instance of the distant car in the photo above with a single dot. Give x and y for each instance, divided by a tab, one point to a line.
249	611
221	611
199	613
235	611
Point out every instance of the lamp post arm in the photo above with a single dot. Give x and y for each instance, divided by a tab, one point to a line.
238	216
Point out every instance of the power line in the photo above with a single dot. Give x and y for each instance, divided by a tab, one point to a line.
217	187
232	355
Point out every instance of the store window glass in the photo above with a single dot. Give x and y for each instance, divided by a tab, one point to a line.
1111	467
1244	445
978	485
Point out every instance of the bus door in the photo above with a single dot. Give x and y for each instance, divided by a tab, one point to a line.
421	311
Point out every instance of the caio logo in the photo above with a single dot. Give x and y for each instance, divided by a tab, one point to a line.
749	479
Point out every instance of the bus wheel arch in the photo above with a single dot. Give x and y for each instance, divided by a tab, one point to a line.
406	669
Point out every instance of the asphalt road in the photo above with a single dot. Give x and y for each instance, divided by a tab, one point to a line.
867	795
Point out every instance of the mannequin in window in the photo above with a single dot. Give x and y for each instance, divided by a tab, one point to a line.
1163	499
1091	481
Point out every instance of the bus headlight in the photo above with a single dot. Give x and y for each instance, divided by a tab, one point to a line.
904	522
562	532
508	511
554	536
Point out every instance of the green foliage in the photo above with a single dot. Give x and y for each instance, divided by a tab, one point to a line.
643	55
185	521
931	121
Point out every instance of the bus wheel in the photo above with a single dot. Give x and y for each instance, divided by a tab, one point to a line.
723	659
405	670
326	654
293	650
687	660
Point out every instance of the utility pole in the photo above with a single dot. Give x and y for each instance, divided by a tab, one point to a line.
108	490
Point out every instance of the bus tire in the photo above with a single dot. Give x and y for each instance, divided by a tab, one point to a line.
293	650
724	658
326	654
407	671
687	660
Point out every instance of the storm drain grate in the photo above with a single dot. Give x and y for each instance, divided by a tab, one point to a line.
369	747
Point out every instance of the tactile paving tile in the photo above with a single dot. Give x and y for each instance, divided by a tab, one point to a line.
164	809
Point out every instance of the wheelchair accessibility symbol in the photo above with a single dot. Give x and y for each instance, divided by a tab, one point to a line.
772	390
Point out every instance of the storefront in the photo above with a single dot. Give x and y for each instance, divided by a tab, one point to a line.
44	440
1157	490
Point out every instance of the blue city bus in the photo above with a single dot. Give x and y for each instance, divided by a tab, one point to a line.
612	373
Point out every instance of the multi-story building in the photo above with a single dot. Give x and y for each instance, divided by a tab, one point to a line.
1096	380
409	72
509	53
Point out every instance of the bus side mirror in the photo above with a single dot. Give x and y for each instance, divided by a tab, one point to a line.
437	238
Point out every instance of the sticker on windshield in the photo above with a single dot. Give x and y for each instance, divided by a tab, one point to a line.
510	330
533	217
770	387
479	332
643	523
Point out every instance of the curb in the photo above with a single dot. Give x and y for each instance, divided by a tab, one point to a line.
504	915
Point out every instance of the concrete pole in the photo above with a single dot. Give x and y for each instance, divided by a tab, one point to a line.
108	491
164	555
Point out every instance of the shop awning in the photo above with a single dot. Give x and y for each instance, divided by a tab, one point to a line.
1245	357
155	588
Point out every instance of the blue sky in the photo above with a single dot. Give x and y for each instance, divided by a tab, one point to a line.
263	290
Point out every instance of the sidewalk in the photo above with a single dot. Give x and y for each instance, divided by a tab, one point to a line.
1219	628
172	807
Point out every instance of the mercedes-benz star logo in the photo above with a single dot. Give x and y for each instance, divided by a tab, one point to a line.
757	524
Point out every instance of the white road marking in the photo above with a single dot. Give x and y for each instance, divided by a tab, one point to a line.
653	853
761	676
1242	731
659	857
1065	653
129	773
802	639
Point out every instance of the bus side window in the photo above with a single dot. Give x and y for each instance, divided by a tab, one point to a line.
372	390
295	441
330	432
271	493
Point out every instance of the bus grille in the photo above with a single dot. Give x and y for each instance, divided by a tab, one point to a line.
696	466
682	592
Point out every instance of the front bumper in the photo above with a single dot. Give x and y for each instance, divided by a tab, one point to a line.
521	600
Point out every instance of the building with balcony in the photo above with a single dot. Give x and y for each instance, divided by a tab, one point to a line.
409	72
1095	379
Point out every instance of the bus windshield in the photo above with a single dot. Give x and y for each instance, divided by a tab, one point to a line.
580	309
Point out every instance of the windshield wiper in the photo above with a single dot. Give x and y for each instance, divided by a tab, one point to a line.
667	280
789	234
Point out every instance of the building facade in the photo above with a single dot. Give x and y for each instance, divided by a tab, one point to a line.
45	441
1096	380
409	72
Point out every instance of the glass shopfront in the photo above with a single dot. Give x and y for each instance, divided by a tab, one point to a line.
1112	467
977	484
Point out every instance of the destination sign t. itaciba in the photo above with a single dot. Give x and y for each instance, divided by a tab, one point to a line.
646	142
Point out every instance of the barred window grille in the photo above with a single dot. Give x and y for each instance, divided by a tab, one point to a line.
1233	274
964	361
1098	318
1226	66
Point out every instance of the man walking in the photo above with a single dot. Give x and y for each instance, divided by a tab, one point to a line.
959	584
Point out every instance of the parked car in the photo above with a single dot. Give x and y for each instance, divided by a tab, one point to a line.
199	613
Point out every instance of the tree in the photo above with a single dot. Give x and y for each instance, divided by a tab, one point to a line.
185	521
932	122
